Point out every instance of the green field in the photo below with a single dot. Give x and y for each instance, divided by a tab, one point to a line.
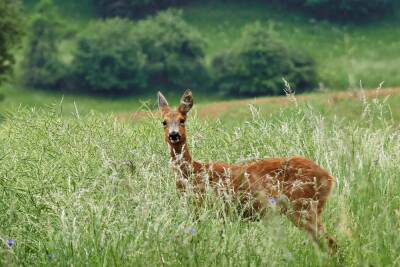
89	190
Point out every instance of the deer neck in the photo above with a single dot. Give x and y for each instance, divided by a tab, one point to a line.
181	159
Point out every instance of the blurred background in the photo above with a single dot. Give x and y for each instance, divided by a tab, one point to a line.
114	55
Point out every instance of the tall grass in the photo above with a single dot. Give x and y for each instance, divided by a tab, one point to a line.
89	190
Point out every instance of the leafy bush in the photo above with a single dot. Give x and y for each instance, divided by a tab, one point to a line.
11	29
174	51
257	64
109	58
117	55
349	9
132	8
42	66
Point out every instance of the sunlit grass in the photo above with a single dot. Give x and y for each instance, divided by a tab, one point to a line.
13	97
89	190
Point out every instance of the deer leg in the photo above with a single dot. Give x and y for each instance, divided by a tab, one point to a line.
332	247
309	219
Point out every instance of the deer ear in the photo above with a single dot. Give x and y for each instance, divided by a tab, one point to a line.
186	102
162	102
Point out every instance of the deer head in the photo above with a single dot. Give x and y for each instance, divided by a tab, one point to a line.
174	120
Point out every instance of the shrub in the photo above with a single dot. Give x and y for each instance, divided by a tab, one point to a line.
11	29
42	66
109	58
121	56
257	64
174	50
132	8
347	9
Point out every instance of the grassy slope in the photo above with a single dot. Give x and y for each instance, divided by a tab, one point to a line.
345	55
16	97
341	105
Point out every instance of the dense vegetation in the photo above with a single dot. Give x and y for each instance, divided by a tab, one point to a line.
174	51
351	10
11	29
41	63
91	190
258	63
132	8
108	58
202	47
163	51
345	9
118	55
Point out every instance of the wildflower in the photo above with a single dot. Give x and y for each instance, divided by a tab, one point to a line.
10	243
190	230
272	201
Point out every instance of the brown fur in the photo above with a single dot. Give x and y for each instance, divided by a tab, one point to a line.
304	185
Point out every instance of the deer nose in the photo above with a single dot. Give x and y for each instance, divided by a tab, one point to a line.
174	136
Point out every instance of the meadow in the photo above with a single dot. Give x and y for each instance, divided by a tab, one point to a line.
93	190
85	180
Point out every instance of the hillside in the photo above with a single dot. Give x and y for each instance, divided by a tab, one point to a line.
347	55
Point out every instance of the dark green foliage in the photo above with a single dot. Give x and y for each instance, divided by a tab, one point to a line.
174	51
257	64
132	8
117	55
304	74
42	66
345	9
109	58
11	29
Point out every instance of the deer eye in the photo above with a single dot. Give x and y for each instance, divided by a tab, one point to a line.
182	121
164	123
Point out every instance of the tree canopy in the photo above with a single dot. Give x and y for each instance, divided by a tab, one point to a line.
11	29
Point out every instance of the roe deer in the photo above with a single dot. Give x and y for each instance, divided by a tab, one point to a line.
304	185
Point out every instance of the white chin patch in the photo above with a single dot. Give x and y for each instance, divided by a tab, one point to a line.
174	141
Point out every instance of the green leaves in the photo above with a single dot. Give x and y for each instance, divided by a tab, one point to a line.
109	58
257	63
11	30
42	66
121	56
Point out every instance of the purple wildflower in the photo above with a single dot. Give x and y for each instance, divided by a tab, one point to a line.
190	230
272	201
10	243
